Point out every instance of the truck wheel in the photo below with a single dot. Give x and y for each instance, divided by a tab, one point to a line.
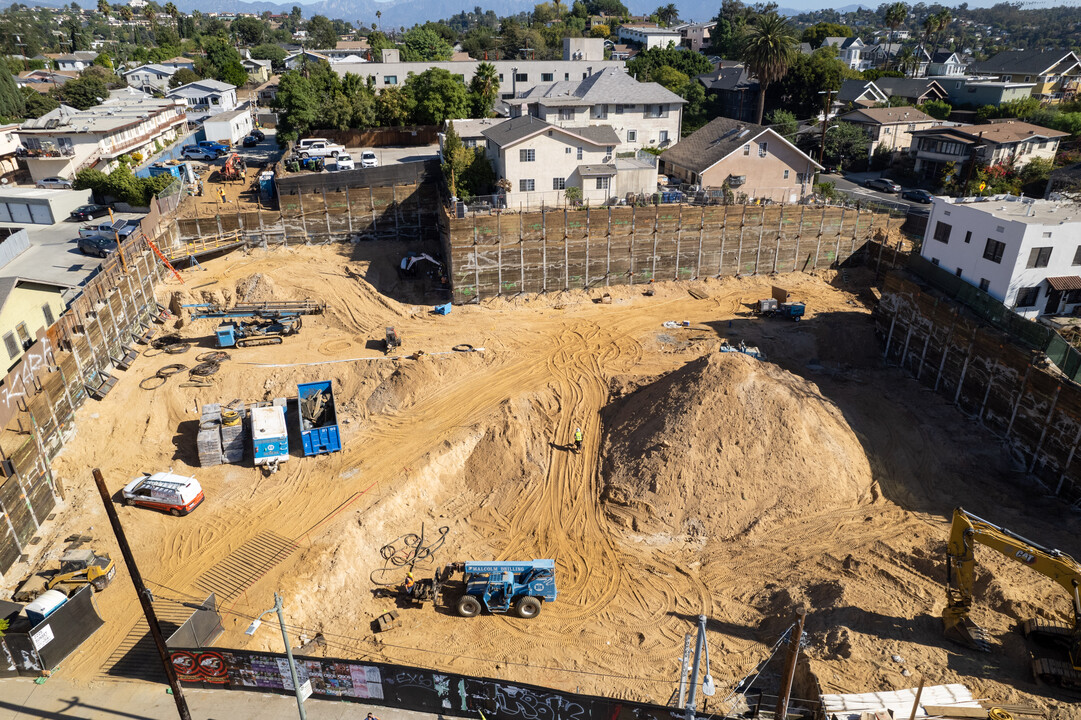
174	512
130	502
468	606
528	607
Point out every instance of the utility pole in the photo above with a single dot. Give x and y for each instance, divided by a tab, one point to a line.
707	682
144	598
825	123
781	712
288	650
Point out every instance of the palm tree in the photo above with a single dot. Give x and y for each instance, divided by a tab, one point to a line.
768	48
667	14
895	17
104	8
559	8
174	14
485	88
378	17
905	60
943	18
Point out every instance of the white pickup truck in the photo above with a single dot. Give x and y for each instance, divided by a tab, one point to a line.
321	148
121	228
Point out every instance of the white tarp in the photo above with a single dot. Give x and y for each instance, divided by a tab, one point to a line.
851	706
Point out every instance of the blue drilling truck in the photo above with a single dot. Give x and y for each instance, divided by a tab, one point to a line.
497	586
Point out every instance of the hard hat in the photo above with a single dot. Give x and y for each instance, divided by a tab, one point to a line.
409	575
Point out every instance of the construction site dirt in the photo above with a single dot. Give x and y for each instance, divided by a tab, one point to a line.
708	482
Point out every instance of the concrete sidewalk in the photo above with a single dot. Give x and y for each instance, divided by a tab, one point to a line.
59	699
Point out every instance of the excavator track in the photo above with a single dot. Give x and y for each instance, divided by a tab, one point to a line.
261	340
1046	632
1056	672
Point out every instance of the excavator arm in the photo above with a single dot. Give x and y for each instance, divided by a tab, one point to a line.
966	532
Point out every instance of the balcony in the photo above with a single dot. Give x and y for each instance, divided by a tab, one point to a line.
118	148
49	152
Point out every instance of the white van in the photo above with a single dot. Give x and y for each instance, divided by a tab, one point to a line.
174	494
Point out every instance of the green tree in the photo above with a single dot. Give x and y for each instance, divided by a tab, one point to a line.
600	31
321	33
479	42
670	78
37	104
799	90
422	44
12	102
455	159
250	31
938	109
438	95
846	145
224	62
269	51
696	111
784	122
103	60
484	90
104	8
299	105
183	76
768	48
667	14
895	16
689	63
83	92
817	33
379	42
393	106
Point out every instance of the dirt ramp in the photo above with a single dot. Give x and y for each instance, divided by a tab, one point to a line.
725	446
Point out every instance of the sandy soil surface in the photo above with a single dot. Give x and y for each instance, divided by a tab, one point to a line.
707	484
240	195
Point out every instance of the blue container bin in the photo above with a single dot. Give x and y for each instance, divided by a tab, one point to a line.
443	309
322	436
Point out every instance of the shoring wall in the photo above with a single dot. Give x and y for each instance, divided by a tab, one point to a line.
554	250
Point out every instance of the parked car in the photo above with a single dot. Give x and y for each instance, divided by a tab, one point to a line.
310	141
56	183
216	147
344	162
97	246
110	230
368	159
920	196
175	494
321	149
191	152
250	141
258	134
88	212
883	185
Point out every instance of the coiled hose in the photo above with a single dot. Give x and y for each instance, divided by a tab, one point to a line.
408	549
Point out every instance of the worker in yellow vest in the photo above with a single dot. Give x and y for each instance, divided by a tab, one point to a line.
410	584
578	439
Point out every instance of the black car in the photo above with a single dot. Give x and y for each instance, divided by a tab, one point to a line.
920	196
883	185
97	246
250	141
89	212
257	134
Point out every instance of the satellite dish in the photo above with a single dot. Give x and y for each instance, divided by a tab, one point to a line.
707	686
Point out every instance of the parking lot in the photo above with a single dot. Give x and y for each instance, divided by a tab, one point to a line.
391	155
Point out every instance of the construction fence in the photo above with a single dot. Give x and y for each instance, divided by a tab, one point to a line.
78	356
995	376
553	250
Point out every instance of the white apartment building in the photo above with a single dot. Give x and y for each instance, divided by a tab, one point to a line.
206	97
149	78
851	51
641	114
1023	252
649	35
66	140
542	160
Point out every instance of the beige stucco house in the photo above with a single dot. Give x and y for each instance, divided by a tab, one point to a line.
1003	141
891	127
752	159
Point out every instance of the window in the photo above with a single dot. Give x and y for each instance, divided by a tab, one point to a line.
632	136
619	109
746	150
559	183
608	150
762	149
663	136
785	174
1028	78
942	232
48	313
985	284
1077	256
566	113
500	77
1039	257
529	155
1027	297
12	345
569	151
566	77
934	261
579	152
602	183
521	77
993	250
968	236
1000	228
656	111
1047	234
600	112
24	334
547	77
526	185
957	272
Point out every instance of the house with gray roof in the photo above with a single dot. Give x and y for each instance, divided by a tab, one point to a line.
735	91
642	114
730	156
860	93
151	77
1056	73
206	97
911	91
541	160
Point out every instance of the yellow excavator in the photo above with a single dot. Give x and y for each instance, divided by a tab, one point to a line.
960	578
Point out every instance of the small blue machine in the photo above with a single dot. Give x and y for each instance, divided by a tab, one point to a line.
503	587
443	309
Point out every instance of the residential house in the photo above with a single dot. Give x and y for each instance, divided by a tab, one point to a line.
623	52
743	158
228	128
648	35
27	308
65	140
1023	252
471	131
76	61
945	63
292	62
850	51
267	93
137	4
150	78
542	160
1003	141
258	70
910	91
206	97
860	93
179	63
43	80
1054	72
974	92
890	127
695	36
735	91
642	114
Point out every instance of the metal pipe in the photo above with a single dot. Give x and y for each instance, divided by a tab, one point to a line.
781	711
694	668
289	655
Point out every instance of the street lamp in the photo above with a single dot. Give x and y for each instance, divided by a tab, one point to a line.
288	651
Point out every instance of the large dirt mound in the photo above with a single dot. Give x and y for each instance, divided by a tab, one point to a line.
726	445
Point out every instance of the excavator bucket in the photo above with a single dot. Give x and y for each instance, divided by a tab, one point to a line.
961	630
